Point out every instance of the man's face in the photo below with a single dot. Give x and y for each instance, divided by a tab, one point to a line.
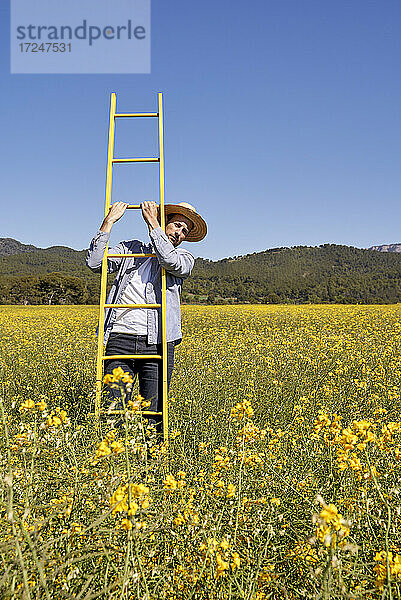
178	228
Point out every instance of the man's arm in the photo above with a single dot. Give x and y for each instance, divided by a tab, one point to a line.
177	262
99	242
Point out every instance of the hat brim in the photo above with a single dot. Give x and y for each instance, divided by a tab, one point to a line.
199	229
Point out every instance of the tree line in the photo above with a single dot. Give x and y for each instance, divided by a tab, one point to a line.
328	273
52	288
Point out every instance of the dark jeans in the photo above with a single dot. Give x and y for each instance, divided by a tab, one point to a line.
150	372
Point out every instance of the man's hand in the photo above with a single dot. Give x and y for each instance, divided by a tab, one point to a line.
149	213
115	213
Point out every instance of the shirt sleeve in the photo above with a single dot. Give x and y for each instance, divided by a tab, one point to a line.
177	261
96	251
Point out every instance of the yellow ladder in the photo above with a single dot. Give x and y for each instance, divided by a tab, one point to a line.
101	357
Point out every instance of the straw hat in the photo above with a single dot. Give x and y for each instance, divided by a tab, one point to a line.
199	229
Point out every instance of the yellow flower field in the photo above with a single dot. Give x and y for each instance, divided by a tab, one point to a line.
281	478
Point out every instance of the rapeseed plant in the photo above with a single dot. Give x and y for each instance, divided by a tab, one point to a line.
271	407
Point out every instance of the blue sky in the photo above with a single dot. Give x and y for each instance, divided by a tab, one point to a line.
282	127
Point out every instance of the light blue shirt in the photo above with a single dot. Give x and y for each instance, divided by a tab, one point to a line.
178	263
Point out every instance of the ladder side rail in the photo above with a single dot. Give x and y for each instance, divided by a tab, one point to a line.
103	284
163	271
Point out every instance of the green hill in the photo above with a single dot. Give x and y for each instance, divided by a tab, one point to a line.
327	273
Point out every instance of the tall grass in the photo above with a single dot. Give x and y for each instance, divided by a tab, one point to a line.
281	478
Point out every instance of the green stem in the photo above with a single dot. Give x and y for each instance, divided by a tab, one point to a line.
376	483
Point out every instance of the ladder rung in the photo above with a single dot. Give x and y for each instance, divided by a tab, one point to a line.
131	160
113	356
136	115
130	255
134	206
132	305
119	412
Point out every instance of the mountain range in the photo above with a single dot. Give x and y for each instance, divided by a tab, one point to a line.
327	273
387	248
10	246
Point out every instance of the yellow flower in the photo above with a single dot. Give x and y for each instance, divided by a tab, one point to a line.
119	500
118	375
170	484
126	524
138	490
331	525
136	404
117	447
380	568
57	418
361	426
329	513
27	405
221	565
179	520
133	507
231	490
103	449
242	409
348	439
396	567
236	561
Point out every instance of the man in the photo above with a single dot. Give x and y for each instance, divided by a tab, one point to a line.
138	281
